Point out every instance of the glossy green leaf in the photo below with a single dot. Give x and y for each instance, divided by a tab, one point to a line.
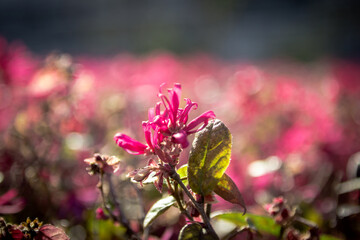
227	189
157	209
191	231
182	171
209	157
263	224
194	231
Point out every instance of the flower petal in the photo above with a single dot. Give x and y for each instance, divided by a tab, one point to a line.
175	94
152	163
185	113
154	112
203	118
158	183
130	145
180	137
147	132
172	105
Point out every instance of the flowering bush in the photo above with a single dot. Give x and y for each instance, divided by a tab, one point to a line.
289	130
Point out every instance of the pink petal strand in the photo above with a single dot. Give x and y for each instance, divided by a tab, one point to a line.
203	118
129	145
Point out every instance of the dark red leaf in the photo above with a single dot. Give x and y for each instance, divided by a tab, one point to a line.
16	234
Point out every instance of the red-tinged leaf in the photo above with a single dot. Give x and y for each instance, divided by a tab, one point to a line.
16	234
227	189
50	232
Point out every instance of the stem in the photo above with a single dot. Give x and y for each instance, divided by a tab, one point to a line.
101	188
208	210
282	230
234	232
305	222
198	207
141	203
169	185
177	198
122	217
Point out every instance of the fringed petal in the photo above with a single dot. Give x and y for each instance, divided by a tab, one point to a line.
147	132
130	145
185	113
203	118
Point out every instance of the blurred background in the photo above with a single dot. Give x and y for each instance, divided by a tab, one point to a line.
283	76
256	29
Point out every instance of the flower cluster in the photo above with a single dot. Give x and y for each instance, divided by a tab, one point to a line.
102	164
286	216
279	210
312	234
165	133
30	230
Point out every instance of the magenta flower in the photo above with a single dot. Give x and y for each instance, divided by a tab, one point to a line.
10	203
130	145
169	125
166	135
174	120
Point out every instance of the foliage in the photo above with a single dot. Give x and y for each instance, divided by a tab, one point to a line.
58	111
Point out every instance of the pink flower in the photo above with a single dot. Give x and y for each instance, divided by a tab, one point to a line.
169	125
165	135
100	214
130	145
174	119
102	164
10	203
279	210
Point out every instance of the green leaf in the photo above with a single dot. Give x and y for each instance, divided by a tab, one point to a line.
227	189
191	231
263	224
157	209
328	237
104	229
182	171
209	157
194	231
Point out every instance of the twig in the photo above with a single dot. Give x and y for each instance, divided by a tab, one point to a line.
122	217
182	209
305	222
205	218
101	188
208	210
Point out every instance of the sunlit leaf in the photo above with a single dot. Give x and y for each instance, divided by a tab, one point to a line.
209	157
104	229
227	189
191	231
157	209
263	224
182	171
50	232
